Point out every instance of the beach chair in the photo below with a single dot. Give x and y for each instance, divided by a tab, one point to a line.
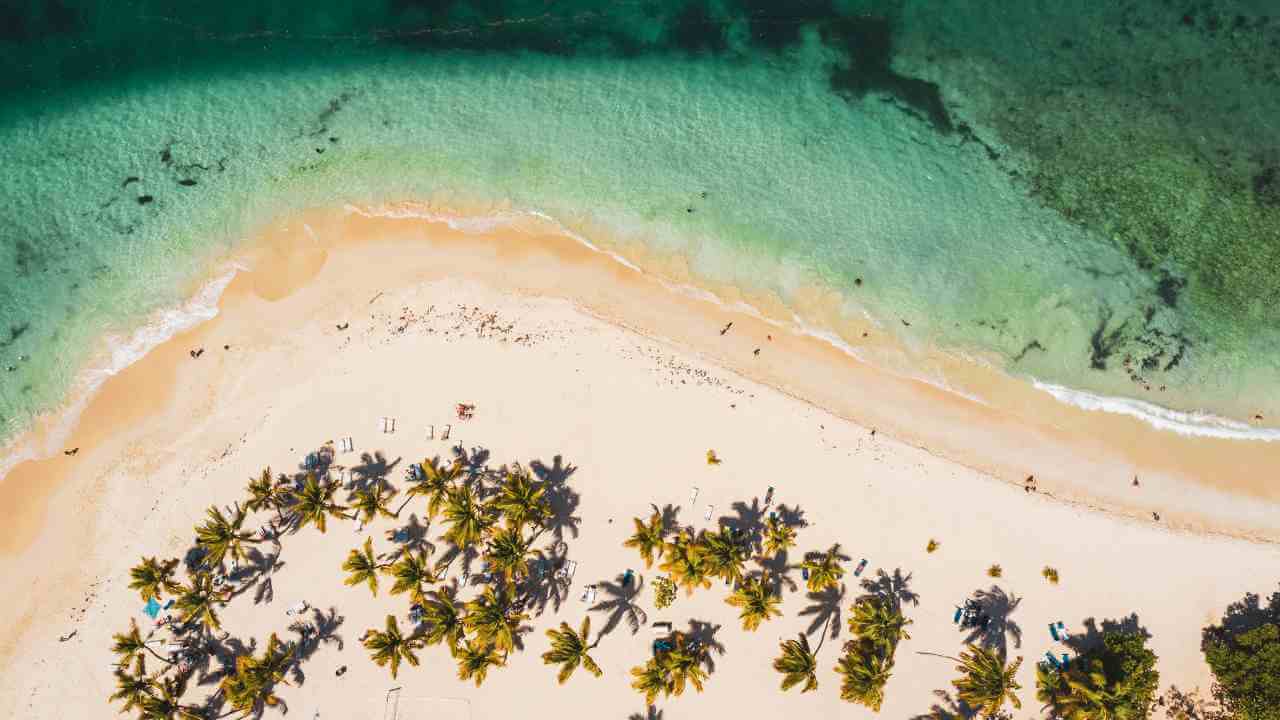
804	573
345	445
297	608
1066	662
431	432
388	424
710	509
1053	631
959	612
1053	660
152	609
566	572
1063	634
627	577
861	566
693	496
444	434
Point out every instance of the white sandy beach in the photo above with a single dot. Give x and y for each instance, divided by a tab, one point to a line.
634	415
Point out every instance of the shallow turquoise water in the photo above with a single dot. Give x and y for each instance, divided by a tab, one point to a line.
775	149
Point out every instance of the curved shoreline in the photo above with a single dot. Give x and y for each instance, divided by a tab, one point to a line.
1013	430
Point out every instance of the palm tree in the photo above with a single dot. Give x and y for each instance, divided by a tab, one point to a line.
725	557
824	569
220	536
863	674
250	687
371	502
879	621
265	492
474	661
412	573
683	665
508	552
363	567
198	601
1083	693
151	577
651	679
493	620
166	703
778	536
132	688
649	538
757	601
130	645
569	650
468	519
685	563
390	646
986	683
444	619
314	502
798	664
521	499
433	483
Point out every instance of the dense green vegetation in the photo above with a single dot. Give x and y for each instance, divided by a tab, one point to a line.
1244	653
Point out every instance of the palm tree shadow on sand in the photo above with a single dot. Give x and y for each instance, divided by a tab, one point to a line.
948	708
651	713
895	588
702	636
825	607
544	588
371	469
561	499
621	604
996	606
1094	632
748	520
778	570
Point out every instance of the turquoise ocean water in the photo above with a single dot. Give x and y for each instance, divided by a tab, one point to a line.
1089	194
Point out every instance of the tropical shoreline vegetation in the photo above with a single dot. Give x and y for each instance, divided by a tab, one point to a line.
503	559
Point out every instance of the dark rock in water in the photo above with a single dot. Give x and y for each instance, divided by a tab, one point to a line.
130	179
166	157
186	182
145	199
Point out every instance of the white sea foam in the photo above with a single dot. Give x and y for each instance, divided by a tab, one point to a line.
1161	418
120	353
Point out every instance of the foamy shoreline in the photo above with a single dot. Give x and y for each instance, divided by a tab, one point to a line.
726	300
482	319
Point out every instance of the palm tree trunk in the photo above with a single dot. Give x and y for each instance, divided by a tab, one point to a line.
406	502
948	657
822	639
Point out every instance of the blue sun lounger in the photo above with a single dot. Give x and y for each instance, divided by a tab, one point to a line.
1066	661
861	566
959	612
1053	660
152	609
1053	630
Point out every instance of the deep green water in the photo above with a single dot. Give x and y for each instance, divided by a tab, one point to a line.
1090	193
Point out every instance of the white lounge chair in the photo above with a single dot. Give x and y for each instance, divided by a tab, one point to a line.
444	435
710	509
388	424
345	445
566	572
431	432
297	608
693	496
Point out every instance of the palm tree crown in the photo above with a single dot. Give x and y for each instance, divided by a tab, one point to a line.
725	557
778	536
863	674
824	569
362	567
221	536
390	646
522	500
649	538
492	619
986	682
569	649
443	617
508	553
685	562
372	502
475	659
433	483
313	503
879	621
798	664
468	519
412	573
757	601
198	602
151	577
